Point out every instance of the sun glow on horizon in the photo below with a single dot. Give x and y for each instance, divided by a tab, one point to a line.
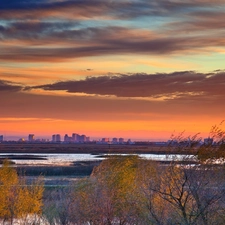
154	130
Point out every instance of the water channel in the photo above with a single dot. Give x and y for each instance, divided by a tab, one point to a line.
68	159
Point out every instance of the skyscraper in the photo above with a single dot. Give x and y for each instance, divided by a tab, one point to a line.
31	137
58	138
114	141
83	138
1	138
66	138
75	137
53	138
121	140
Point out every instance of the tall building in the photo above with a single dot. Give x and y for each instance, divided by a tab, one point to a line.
31	137
53	138
75	137
1	138
105	140
88	139
114	141
66	138
121	140
58	138
83	138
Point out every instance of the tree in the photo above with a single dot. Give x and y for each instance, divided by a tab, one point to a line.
118	193
18	200
111	195
192	193
213	151
116	178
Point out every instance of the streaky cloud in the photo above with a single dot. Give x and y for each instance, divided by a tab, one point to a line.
184	84
9	86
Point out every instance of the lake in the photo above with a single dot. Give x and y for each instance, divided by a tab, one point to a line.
68	159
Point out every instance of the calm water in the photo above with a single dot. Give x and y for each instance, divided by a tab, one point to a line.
67	159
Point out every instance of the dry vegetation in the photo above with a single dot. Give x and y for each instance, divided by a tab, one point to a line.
129	190
126	190
88	148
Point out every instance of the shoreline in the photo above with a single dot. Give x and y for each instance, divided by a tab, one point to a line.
95	149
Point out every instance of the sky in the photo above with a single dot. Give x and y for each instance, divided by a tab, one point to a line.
118	68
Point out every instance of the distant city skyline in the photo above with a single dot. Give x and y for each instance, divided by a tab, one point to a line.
61	137
49	138
83	139
33	136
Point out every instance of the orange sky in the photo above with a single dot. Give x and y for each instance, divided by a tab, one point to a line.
132	69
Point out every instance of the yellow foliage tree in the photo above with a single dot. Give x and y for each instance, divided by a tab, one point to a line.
120	179
18	200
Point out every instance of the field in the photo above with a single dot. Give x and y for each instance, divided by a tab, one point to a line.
89	148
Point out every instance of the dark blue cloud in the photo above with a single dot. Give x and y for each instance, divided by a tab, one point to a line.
26	30
122	9
21	4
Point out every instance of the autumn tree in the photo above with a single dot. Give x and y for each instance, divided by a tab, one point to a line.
117	193
18	200
110	194
117	178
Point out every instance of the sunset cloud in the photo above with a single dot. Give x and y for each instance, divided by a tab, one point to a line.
180	84
156	46
115	66
42	34
9	86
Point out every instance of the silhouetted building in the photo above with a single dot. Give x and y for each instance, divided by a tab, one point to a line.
105	140
31	137
56	138
21	140
129	142
75	137
88	139
82	138
114	141
121	140
66	138
1	138
53	138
